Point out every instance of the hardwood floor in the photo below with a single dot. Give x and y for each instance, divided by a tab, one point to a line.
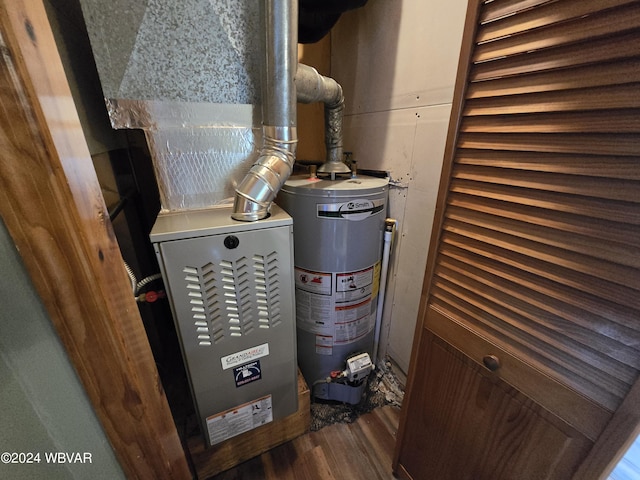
361	450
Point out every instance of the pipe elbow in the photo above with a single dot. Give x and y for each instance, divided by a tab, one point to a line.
260	186
312	87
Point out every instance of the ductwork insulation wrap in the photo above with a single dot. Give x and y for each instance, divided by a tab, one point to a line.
187	72
177	50
200	151
199	167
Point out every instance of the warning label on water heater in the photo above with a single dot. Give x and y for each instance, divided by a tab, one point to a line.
337	307
324	345
313	282
354	285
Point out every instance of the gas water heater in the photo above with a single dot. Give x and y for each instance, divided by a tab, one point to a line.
338	234
230	286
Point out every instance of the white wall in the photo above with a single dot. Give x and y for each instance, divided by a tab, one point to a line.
396	61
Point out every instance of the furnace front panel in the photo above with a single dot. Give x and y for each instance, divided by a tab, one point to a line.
230	285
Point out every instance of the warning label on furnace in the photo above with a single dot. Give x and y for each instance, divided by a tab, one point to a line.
337	307
239	420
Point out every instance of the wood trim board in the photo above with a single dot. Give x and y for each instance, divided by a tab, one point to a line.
51	203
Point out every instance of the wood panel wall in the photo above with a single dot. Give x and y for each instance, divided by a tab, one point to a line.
311	147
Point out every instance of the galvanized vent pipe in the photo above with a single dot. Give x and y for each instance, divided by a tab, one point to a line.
284	82
277	156
313	87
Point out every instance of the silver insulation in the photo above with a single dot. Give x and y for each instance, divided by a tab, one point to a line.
177	50
200	151
188	73
259	187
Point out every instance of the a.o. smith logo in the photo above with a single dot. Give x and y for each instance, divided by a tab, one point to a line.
351	210
359	205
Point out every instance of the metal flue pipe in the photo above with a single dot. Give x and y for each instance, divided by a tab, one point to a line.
313	87
277	155
284	83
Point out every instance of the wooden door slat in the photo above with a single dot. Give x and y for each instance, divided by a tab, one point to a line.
495	10
617	123
601	166
597	287
579	29
620	48
613	189
614	252
586	76
551	13
588	207
594	101
574	143
606	318
554	318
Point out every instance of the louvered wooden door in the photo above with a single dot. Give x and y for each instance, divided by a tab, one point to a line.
532	289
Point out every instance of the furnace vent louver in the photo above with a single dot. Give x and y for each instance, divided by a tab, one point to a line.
205	307
267	290
237	296
224	305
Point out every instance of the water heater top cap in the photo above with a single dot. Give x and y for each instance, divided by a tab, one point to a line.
316	186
